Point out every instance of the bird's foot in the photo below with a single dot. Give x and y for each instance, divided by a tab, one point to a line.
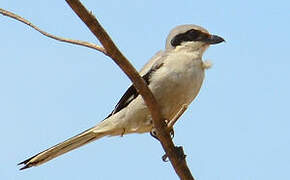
171	130
153	133
165	158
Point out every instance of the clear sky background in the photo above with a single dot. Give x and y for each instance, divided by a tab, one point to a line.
238	128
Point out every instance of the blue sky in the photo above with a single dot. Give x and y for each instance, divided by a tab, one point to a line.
237	128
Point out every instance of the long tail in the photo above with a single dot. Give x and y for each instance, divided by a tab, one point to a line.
66	146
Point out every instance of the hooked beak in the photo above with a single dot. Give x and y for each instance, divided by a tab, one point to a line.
214	39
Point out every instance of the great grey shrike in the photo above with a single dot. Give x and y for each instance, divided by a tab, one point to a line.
174	76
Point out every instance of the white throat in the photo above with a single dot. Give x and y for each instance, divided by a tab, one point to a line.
194	48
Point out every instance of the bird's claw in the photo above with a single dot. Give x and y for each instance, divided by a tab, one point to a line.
171	132
165	158
153	133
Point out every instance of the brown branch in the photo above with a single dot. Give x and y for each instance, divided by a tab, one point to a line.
175	154
163	135
71	41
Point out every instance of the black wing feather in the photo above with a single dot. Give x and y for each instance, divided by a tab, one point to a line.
129	95
132	93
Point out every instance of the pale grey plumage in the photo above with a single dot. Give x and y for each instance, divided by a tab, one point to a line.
174	76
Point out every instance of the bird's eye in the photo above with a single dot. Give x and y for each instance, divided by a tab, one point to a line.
202	37
193	34
196	35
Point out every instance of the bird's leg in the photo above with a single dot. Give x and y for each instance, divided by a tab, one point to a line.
171	123
153	132
171	130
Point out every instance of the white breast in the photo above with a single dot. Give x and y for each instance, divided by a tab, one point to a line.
177	82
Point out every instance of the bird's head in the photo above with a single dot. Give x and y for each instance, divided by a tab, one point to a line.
191	37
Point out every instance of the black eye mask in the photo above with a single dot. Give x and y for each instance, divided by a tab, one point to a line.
190	35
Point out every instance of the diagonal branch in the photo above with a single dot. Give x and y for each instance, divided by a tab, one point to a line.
116	55
71	41
175	154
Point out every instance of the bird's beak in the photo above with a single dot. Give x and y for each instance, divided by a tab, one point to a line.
214	39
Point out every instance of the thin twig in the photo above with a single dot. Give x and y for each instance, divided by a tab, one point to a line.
175	154
71	41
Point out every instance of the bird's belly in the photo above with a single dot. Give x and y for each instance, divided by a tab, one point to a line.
178	87
172	88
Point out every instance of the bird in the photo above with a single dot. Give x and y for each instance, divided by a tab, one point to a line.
174	76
